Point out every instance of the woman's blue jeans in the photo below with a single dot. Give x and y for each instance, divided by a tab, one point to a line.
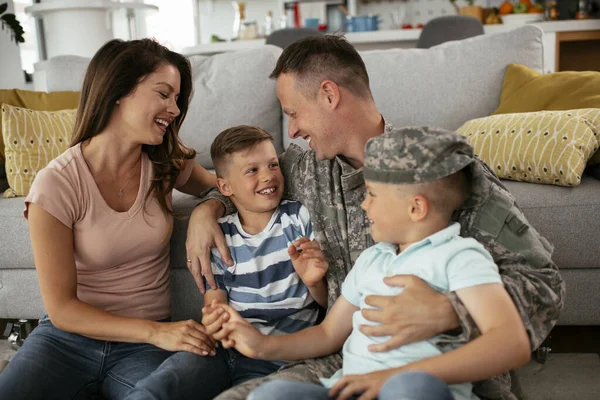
54	364
189	376
402	386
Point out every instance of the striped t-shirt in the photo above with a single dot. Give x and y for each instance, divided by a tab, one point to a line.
263	285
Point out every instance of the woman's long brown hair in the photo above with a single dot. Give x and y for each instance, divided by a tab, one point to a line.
114	72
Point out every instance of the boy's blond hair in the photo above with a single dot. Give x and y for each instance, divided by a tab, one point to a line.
234	140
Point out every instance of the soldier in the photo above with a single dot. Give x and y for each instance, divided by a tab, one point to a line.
323	87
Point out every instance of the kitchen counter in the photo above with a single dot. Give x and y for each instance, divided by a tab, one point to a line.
399	38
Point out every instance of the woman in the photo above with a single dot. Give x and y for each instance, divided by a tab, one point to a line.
100	221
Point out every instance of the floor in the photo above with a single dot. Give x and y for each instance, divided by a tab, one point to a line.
570	373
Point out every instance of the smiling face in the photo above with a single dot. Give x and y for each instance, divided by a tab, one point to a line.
310	119
388	211
147	111
252	179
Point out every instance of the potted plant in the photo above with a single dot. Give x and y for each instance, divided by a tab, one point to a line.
470	10
12	24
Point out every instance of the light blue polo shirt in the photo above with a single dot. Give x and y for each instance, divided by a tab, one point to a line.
445	260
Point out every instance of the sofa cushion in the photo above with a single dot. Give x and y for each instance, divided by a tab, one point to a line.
449	84
550	147
232	89
567	217
32	140
41	101
62	72
15	246
525	90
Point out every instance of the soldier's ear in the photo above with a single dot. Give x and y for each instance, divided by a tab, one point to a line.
419	207
329	93
224	187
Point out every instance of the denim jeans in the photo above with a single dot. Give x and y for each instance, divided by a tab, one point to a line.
402	386
54	364
189	376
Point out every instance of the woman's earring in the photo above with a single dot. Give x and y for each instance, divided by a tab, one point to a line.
118	102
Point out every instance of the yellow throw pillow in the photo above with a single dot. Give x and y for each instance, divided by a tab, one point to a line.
526	90
33	139
550	147
40	101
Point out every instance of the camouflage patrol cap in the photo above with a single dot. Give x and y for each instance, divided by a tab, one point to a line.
415	155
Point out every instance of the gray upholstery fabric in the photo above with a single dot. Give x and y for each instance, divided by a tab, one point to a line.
447	28
568	217
284	37
64	72
15	247
451	83
231	89
20	295
582	303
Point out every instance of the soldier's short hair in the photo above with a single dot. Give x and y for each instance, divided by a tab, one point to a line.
233	140
327	57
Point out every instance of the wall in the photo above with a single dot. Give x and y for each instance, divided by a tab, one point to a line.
11	72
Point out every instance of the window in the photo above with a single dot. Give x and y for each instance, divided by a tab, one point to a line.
173	24
29	49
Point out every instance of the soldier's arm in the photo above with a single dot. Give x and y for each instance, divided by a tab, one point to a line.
524	260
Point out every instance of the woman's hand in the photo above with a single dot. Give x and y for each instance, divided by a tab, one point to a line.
183	336
203	234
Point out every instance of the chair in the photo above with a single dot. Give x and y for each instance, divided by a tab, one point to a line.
285	37
447	28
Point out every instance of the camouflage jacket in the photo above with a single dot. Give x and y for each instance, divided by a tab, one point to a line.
333	190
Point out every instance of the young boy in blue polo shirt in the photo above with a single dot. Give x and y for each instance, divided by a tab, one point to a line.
415	179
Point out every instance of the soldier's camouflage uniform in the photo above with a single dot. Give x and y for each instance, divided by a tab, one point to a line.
333	190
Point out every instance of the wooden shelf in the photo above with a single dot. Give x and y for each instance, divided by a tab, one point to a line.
578	51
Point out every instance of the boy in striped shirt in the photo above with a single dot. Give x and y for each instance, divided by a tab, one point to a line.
277	280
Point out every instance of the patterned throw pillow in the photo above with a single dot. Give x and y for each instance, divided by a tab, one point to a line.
550	147
32	139
42	101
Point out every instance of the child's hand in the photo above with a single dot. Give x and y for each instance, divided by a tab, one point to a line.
368	384
310	263
213	317
239	333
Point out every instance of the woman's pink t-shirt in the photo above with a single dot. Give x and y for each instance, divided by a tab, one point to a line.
122	258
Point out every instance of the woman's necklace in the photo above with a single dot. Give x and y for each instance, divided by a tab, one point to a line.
120	193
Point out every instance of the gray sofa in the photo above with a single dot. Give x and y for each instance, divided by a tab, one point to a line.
444	86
